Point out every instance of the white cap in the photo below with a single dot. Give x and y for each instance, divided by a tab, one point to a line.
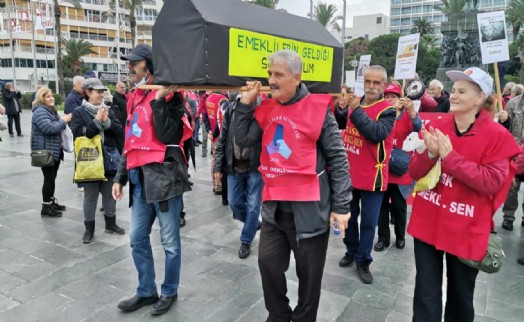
475	75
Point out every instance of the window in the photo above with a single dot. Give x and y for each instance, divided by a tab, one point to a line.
405	22
92	15
406	11
150	14
379	20
404	31
437	19
395	22
417	9
395	11
427	9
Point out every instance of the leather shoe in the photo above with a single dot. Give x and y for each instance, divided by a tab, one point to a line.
346	261
507	224
364	274
400	243
136	302
244	251
163	304
380	246
520	261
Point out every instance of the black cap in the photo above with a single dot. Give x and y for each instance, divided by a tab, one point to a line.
140	52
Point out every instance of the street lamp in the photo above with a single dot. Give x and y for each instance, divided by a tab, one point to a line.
343	39
310	9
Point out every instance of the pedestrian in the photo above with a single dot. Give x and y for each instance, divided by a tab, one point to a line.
306	183
13	108
93	118
46	129
213	122
368	139
399	181
441	96
75	98
244	181
120	102
153	163
454	218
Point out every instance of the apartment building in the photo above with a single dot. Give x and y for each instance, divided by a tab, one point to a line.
404	13
27	37
365	26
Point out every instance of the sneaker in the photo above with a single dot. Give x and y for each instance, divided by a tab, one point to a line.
244	251
80	189
346	261
364	274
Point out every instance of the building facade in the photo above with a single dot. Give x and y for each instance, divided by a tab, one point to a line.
404	13
28	40
366	26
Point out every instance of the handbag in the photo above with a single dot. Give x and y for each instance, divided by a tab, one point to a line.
111	160
89	160
492	262
398	162
42	158
67	140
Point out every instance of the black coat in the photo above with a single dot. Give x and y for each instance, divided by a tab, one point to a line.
120	107
443	103
9	102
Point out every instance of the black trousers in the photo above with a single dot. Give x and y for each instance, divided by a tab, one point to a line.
427	302
48	189
276	243
395	204
10	119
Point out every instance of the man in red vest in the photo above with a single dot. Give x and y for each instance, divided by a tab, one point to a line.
154	165
306	182
368	140
213	120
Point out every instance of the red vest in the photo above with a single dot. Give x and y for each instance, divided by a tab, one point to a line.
453	217
403	128
141	145
214	113
289	147
368	162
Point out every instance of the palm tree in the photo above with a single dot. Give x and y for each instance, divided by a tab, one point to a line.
515	14
423	27
60	62
265	3
450	7
325	14
76	49
131	6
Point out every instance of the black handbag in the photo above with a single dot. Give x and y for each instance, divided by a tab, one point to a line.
399	162
42	158
111	160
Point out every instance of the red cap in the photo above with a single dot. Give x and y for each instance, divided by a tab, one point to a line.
393	88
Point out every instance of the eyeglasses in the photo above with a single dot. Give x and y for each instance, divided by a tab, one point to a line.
133	63
100	91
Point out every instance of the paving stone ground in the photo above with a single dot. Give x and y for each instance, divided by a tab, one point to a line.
48	274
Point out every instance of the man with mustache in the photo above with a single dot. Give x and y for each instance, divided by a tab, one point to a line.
368	140
306	183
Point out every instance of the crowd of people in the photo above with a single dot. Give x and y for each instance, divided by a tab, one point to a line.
293	165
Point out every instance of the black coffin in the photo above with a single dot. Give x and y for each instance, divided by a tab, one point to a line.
226	42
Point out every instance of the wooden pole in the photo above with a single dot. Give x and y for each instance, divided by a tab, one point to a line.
207	88
497	86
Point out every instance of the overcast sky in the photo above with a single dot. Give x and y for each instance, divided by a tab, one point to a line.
354	7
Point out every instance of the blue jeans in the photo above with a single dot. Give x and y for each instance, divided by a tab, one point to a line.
244	193
196	129
360	246
143	216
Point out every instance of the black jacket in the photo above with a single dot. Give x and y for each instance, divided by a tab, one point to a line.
224	151
443	103
311	218
9	102
120	104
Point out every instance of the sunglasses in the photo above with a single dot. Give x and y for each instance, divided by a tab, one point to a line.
133	63
99	91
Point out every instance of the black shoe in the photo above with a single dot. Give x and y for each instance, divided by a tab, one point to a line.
163	304
346	261
49	211
11	135
520	261
182	222
190	183
225	203
56	205
102	209
204	155
522	223
380	246
364	274
244	251
90	231
199	142
400	243
259	226
217	193
20	135
507	224
136	302
112	227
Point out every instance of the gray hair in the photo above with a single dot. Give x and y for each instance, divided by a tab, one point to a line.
437	83
78	80
289	58
120	83
8	84
517	89
510	85
378	68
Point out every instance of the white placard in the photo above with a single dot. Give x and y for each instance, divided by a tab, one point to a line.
363	65
492	35
407	53
350	78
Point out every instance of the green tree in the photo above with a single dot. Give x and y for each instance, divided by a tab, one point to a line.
451	7
428	61
326	15
383	51
423	27
356	47
76	49
515	16
265	3
60	62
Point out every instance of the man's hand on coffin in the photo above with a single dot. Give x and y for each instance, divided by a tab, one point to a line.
253	90
166	91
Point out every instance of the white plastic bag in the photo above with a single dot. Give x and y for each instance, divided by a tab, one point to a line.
3	123
67	140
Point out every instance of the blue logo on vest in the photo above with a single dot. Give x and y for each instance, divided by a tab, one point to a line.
278	145
134	129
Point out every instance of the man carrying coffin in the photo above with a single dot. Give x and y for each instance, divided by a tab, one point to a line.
306	182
